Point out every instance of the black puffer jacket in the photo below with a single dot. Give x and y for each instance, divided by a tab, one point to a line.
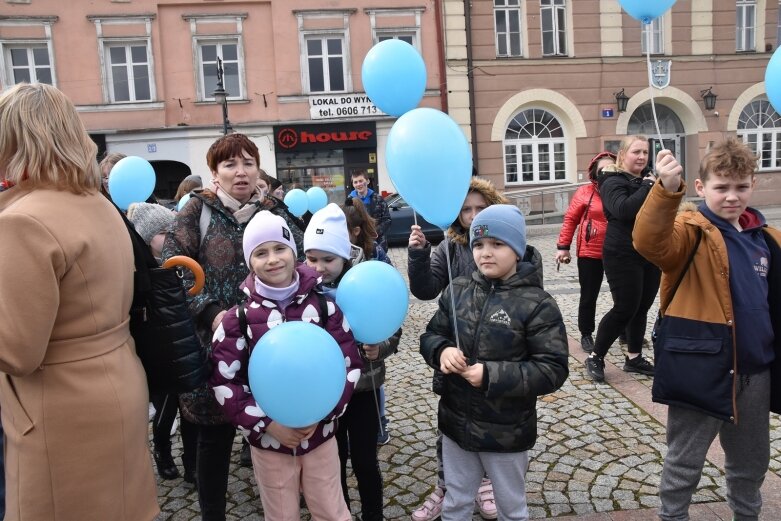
516	330
622	196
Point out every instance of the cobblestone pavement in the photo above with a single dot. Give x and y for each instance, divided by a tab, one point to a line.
596	452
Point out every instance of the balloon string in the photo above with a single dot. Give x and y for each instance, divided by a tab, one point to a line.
651	81
415	217
376	392
452	294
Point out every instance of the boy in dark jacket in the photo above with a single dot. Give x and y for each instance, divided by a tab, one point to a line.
510	348
718	350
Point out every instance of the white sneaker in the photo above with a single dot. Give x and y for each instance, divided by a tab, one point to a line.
431	507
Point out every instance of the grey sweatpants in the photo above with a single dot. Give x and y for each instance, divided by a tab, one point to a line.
746	451
464	471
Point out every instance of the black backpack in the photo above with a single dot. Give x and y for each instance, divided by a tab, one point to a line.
161	325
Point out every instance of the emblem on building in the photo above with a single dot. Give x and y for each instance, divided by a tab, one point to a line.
660	73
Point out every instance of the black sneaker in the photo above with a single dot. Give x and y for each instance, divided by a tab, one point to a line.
587	343
638	365
383	436
595	368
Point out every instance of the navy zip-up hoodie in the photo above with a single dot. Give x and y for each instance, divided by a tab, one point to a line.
749	261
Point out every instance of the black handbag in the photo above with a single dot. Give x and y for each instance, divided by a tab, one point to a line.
161	325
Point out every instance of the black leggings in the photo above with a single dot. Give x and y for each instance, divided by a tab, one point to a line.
590	273
358	429
633	283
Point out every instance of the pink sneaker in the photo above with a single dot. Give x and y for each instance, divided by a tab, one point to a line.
485	500
431	507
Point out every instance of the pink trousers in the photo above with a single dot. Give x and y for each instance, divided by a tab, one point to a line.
281	478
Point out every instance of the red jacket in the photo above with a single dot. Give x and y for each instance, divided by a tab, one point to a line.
585	206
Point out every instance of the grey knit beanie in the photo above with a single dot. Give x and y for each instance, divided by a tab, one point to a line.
150	219
503	222
194	177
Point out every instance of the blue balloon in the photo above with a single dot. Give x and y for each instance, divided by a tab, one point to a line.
394	76
773	80
374	299
297	202
182	202
646	10
317	199
297	373
430	163
132	180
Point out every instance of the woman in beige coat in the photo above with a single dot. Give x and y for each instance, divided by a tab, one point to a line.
72	390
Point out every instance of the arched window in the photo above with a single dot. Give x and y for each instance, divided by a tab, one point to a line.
759	126
534	148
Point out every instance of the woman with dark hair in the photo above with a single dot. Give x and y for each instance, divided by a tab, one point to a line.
585	213
633	280
209	229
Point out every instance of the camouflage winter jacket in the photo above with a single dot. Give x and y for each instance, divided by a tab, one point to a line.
516	330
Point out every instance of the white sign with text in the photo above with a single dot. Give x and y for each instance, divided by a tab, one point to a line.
342	106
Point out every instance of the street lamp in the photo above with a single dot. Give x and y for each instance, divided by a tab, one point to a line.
709	98
221	98
621	100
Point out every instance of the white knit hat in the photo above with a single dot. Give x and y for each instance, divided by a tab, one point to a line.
266	227
327	231
150	219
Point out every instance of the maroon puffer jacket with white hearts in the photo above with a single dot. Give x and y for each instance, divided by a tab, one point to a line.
230	357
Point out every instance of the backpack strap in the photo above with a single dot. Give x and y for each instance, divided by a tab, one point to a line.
205	219
244	325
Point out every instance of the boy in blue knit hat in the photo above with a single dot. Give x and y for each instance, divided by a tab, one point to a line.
511	347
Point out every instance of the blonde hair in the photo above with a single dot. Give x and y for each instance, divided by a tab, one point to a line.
111	159
43	141
626	142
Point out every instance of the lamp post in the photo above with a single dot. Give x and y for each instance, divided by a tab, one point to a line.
221	98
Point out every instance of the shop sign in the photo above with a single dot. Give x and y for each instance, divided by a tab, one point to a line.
342	106
326	136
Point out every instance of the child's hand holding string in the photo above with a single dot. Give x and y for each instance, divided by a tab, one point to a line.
474	375
452	360
372	351
289	437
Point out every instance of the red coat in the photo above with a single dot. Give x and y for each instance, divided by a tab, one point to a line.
585	206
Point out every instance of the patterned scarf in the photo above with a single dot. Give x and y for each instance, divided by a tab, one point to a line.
241	212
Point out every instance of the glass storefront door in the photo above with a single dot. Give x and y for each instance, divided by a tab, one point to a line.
318	168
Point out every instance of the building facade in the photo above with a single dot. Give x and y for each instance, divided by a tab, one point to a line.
536	84
143	76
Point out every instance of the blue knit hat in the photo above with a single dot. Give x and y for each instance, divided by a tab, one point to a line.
503	222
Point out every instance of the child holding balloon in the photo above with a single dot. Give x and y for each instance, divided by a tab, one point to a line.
509	347
287	461
329	250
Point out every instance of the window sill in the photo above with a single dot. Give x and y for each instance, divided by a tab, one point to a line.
121	107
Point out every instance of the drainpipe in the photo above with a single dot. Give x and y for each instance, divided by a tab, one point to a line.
443	92
470	80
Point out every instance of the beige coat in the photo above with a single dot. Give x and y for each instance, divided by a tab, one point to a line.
72	390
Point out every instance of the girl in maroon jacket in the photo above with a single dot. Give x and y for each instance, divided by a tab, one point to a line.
286	461
585	214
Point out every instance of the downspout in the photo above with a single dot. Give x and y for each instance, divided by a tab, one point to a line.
470	81
443	92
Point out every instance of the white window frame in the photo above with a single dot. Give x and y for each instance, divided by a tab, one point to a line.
405	32
537	145
219	42
31	67
746	32
765	142
339	18
199	39
6	70
325	57
656	29
556	9
126	44
510	8
104	42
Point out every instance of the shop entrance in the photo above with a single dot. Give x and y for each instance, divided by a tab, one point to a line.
317	168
